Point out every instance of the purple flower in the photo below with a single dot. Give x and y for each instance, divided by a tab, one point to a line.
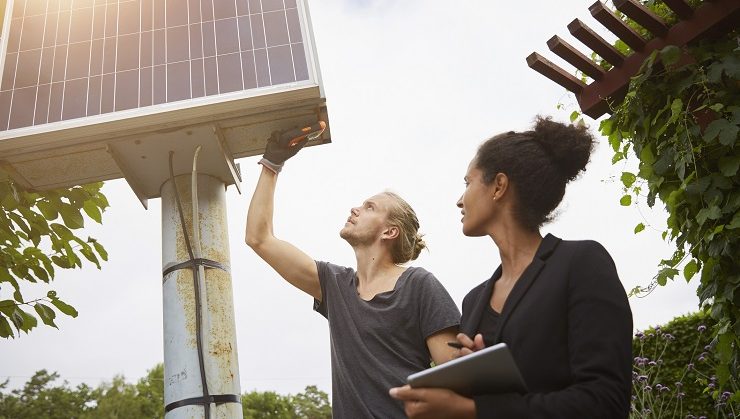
725	395
678	384
690	416
681	395
702	417
642	378
652	363
665	388
701	358
707	347
690	366
710	385
669	336
701	328
639	335
648	388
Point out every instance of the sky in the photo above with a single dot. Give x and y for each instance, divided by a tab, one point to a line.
412	89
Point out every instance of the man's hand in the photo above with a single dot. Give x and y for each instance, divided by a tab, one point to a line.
282	146
433	403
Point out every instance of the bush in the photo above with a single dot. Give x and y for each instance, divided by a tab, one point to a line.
673	373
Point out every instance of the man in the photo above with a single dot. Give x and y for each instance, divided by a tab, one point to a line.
386	321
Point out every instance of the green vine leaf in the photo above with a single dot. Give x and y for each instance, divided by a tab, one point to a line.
639	228
628	179
690	270
669	55
682	124
735	223
722	128
729	165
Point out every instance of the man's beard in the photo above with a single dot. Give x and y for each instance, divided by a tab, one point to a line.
353	238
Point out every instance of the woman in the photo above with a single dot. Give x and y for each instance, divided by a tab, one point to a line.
557	304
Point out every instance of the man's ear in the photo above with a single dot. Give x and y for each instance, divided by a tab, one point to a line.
390	233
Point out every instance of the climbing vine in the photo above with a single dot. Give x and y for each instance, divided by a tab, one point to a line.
681	121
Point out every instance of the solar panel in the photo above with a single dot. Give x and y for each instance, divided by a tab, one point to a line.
69	59
101	89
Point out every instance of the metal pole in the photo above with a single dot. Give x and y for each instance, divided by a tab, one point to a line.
182	377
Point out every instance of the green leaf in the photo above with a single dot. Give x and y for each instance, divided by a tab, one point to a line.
617	157
722	128
100	249
92	211
713	212
5	330
63	232
71	216
670	55
690	270
729	165
47	210
735	223
665	274
676	110
64	307
647	156
23	321
574	115
7	307
639	228
626	200
628	179
46	314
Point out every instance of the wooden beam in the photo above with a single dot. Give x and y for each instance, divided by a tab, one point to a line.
643	16
598	44
617	27
537	62
722	14
575	57
680	8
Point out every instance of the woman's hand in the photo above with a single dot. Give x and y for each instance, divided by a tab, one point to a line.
433	403
469	345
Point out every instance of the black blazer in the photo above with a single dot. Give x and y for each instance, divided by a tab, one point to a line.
569	327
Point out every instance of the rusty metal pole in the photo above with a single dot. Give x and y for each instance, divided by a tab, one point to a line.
183	389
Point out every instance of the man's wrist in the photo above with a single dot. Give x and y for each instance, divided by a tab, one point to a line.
276	168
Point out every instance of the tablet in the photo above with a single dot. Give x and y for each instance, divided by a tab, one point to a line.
490	370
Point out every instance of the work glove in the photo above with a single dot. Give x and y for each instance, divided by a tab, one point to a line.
282	146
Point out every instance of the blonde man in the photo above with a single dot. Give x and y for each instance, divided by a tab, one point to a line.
386	320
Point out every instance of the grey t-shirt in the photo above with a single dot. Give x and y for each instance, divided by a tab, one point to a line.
376	344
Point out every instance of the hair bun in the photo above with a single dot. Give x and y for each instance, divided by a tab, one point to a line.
569	146
419	245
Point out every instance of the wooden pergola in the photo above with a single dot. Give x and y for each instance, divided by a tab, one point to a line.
712	18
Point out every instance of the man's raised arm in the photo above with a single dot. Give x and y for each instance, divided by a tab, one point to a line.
290	262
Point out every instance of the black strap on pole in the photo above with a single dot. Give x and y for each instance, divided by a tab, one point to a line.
213	398
194	263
